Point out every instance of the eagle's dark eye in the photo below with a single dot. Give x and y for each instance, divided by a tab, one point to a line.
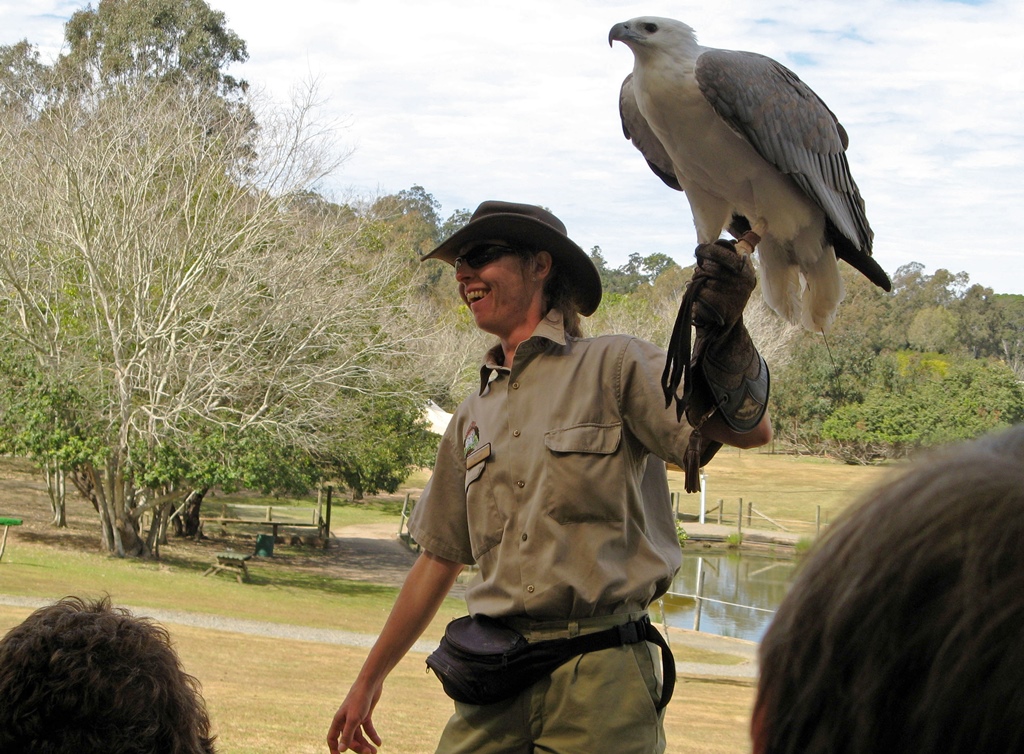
650	28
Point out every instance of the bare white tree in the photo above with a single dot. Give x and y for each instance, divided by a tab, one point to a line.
158	253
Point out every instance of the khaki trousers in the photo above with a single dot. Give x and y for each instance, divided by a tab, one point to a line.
600	701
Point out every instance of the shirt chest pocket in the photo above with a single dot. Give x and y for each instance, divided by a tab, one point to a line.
584	474
473	474
485	523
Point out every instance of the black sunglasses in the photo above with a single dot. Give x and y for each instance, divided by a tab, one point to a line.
481	256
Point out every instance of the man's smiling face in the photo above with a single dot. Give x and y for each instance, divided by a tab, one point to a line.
505	295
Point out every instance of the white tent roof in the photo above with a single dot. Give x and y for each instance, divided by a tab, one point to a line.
437	417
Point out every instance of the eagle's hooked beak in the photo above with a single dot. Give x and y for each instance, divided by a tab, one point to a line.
622	32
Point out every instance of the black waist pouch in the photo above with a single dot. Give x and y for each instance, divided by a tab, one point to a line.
482	661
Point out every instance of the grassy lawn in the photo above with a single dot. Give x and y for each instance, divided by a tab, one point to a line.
277	592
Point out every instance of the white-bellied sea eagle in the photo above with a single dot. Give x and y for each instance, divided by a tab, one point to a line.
754	149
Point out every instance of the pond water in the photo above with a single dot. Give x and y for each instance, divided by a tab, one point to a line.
732	577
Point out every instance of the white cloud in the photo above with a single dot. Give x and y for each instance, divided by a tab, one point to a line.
477	100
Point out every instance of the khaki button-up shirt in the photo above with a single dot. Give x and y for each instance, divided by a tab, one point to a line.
538	480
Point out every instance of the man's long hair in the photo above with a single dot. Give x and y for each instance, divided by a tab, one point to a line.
558	295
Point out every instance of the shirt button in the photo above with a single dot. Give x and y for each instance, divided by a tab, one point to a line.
524	537
515	433
515	385
520	484
530	588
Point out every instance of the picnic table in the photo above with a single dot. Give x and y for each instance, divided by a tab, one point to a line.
7	522
231	561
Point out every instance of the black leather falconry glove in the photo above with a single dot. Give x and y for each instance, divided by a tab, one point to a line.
725	373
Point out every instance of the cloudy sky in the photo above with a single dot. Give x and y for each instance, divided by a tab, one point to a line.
479	100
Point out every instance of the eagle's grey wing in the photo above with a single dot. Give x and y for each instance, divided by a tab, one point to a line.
637	130
792	129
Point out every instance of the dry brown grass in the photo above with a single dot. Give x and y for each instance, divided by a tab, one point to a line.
784	487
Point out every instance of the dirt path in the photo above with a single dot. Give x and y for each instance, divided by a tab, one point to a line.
369	552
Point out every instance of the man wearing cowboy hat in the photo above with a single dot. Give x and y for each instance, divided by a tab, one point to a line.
549	478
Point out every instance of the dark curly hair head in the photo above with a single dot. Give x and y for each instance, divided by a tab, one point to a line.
86	677
903	631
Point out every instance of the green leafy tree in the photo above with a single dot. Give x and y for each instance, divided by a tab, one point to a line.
977	322
454	222
412	220
933	328
25	82
128	42
638	271
46	418
1009	311
929	401
387	438
925	313
820	374
215	456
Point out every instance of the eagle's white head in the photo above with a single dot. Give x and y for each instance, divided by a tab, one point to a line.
647	36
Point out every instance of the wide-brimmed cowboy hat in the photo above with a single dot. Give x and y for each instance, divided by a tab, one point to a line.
529	227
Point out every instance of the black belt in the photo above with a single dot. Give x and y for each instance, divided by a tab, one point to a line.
633	632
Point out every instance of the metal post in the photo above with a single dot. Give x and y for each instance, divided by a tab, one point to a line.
699	598
327	521
721	506
817	520
703	494
739	520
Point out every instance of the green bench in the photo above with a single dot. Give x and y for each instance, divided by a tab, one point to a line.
7	523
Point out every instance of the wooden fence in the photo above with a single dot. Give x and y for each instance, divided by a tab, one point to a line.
745	515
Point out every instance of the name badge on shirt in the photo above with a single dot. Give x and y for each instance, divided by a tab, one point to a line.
478	456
